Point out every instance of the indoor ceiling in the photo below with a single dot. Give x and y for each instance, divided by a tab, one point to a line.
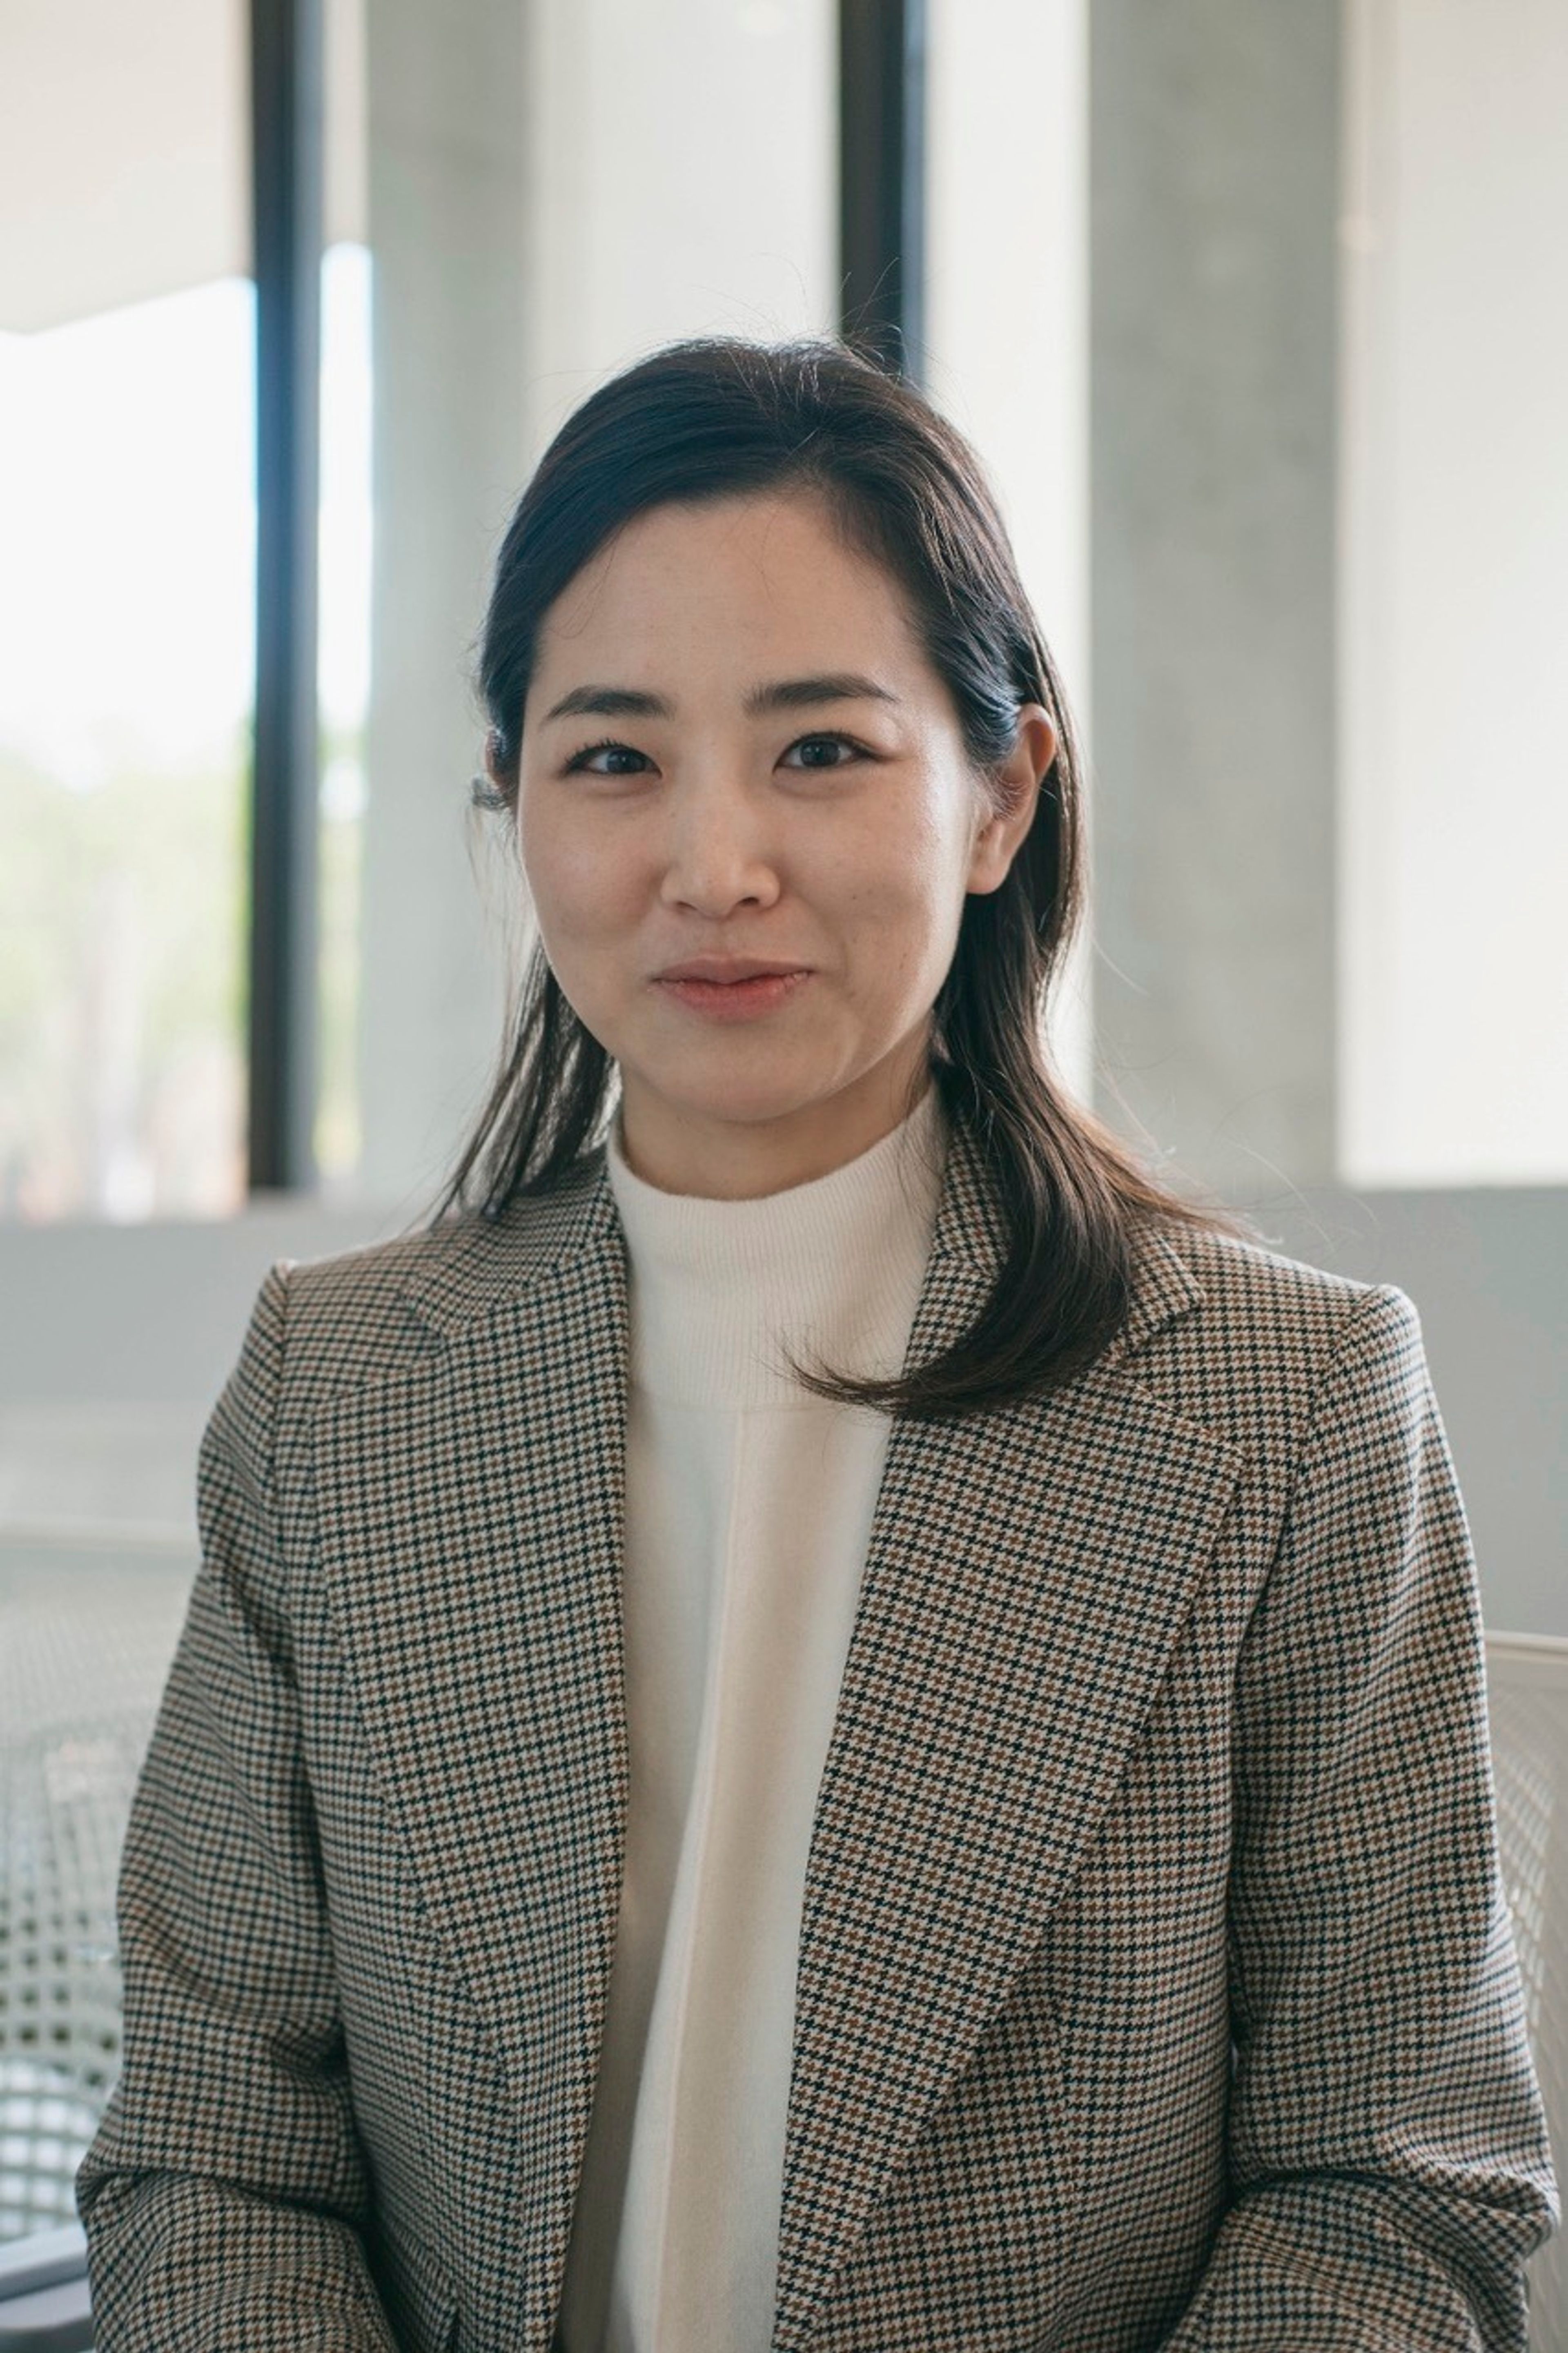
124	150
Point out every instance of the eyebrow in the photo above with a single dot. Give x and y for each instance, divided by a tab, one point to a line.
778	694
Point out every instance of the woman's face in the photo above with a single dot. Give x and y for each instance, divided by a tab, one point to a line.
786	781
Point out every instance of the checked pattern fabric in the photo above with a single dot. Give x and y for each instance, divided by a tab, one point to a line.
1156	1991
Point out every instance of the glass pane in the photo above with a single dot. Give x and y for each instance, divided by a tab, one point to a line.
126	604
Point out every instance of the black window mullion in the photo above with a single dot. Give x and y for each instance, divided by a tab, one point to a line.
286	184
882	173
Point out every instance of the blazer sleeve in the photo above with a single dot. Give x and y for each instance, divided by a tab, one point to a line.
223	2195
1389	2165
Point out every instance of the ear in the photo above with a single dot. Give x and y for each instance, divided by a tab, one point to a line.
1019	777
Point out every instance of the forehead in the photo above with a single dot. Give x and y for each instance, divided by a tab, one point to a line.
753	578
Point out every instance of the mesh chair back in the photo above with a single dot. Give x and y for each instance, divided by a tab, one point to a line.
86	1638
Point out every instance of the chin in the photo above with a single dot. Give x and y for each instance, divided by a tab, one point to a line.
748	1099
741	1106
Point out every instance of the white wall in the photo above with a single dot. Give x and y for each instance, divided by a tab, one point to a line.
114	1343
1453	594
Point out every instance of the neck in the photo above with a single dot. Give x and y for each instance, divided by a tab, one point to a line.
743	1160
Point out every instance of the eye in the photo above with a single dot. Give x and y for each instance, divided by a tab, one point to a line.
837	743
579	760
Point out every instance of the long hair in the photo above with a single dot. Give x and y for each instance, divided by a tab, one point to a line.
721	417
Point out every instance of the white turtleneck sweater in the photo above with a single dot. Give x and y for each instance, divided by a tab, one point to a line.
748	1508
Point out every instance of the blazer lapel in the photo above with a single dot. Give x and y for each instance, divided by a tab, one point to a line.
1027	1577
472	1544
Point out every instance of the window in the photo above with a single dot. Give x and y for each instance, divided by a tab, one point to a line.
125	466
127	607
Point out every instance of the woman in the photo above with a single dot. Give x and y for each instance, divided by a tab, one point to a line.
821	1717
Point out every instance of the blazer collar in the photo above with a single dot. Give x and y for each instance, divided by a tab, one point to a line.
1027	1575
488	1265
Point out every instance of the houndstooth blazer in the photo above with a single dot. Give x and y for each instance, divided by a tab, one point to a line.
1155	1986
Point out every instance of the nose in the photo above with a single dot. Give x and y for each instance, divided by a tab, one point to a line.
716	854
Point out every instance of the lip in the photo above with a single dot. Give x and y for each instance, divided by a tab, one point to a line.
736	1001
725	970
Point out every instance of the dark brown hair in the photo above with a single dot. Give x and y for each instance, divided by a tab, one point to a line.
720	418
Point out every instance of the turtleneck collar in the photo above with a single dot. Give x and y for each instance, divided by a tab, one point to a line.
720	1288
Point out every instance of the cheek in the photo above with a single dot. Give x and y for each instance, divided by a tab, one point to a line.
570	879
924	897
907	883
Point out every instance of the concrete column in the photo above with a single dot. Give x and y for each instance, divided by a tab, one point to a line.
681	179
1212	209
1007	318
446	95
